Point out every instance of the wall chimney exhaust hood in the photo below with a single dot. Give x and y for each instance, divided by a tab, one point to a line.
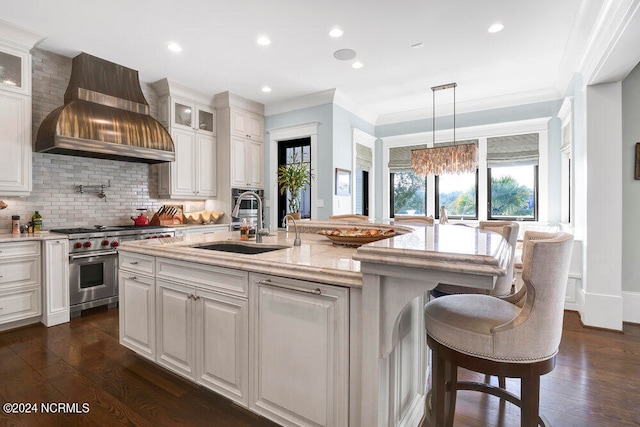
105	115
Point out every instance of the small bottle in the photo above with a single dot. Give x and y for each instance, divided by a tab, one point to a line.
15	224
244	230
252	230
37	222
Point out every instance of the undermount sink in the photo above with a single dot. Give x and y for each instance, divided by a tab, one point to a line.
241	248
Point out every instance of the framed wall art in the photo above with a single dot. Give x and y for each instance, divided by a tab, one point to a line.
343	182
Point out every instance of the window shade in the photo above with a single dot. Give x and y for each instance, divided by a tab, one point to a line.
513	150
363	157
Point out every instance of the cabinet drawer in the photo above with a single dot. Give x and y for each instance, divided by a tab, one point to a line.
137	263
19	272
22	303
10	250
229	281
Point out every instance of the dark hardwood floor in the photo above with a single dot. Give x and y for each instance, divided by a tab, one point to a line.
596	382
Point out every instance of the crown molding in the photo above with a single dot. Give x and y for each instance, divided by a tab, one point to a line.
300	102
17	36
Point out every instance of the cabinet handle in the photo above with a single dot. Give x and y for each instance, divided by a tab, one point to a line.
134	263
190	296
268	282
132	278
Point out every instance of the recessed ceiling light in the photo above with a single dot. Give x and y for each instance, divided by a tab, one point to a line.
344	54
266	89
263	41
357	64
496	28
174	47
336	32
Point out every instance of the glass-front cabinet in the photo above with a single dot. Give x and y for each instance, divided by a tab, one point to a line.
13	70
188	115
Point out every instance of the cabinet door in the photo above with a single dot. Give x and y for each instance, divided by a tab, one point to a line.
222	341
207	160
206	122
182	114
183	169
137	313
56	282
255	163
174	315
255	127
239	173
247	125
299	351
15	144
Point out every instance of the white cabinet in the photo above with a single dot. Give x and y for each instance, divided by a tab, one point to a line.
192	125
247	163
55	261
20	284
137	304
247	125
15	121
202	335
202	321
240	132
299	351
201	229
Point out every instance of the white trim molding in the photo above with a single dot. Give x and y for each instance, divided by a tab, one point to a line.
631	307
285	133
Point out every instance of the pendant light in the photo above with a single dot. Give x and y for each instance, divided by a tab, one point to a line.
451	159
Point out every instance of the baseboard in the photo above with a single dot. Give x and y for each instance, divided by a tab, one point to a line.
602	311
57	318
631	307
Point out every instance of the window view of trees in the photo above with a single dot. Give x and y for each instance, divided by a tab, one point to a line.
408	194
512	192
458	194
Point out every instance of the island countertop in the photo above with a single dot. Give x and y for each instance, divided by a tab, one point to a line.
451	248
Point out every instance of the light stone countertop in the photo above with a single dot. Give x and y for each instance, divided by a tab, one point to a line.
43	235
449	248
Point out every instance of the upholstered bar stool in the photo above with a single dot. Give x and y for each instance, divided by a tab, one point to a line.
416	219
491	336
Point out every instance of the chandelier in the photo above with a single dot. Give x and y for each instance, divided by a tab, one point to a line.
450	159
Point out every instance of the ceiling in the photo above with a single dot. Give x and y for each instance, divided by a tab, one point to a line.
531	59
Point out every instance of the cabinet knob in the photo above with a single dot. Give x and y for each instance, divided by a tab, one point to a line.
133	278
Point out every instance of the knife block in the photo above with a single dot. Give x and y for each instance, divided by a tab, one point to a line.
161	220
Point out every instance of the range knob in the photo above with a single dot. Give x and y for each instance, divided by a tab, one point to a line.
147	237
115	244
78	245
167	235
105	243
87	244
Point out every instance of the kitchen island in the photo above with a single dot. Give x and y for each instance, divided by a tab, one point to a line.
317	334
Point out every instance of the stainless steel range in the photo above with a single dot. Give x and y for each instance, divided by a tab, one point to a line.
93	261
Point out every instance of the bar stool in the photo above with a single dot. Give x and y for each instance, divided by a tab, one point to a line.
494	337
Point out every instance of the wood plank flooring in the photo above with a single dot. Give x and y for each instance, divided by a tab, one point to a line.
596	382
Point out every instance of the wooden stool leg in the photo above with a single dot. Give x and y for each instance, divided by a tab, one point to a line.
502	382
438	387
530	395
451	373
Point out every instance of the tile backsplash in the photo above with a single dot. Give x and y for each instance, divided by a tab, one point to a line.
56	178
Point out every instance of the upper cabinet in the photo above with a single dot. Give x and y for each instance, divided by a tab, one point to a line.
241	141
190	118
15	109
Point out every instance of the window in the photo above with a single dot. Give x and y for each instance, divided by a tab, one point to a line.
513	192
512	163
458	194
408	194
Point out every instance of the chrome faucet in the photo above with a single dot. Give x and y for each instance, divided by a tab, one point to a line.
297	240
259	230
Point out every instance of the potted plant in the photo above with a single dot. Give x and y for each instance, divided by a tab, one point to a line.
293	177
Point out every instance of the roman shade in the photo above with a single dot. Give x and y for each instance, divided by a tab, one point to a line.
513	150
363	158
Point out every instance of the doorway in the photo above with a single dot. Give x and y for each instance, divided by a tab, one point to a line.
362	192
300	149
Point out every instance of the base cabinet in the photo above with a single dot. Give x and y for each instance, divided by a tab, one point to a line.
299	332
137	308
55	254
203	334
